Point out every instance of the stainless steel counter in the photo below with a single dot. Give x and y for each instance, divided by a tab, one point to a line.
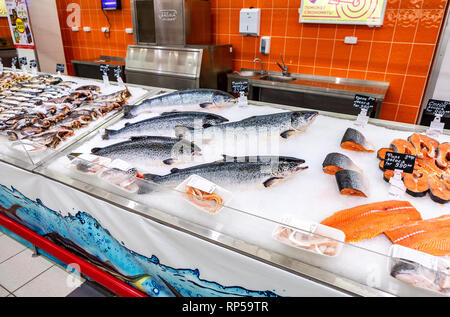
309	91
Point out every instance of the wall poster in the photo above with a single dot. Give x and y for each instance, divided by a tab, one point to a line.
19	23
365	12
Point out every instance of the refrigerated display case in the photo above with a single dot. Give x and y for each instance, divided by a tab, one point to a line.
162	244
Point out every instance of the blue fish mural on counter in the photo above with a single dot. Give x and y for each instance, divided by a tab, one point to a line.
84	236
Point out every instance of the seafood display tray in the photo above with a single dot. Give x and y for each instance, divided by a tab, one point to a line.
18	152
248	221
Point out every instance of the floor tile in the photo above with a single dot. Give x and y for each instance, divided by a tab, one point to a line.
3	292
9	247
20	269
55	282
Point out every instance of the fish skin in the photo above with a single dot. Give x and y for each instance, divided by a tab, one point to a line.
234	171
348	179
353	136
339	160
165	122
143	149
179	98
282	122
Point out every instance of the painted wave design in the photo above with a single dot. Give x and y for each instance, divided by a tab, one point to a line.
84	236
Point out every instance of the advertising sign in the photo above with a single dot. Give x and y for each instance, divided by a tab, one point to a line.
366	12
19	23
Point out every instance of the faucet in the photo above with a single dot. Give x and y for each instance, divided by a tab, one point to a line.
284	68
262	66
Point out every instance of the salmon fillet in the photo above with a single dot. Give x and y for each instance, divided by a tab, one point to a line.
431	236
371	220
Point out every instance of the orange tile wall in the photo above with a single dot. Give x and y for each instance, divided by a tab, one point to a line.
87	45
399	52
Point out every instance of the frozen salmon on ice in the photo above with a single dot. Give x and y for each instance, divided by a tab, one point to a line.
371	220
431	236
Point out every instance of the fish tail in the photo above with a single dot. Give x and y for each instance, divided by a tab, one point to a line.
95	150
127	114
107	134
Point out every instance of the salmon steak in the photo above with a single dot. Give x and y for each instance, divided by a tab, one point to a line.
432	168
371	220
354	140
430	236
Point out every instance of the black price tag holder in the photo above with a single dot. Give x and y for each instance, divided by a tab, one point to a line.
13	64
23	63
241	88
104	69
399	163
33	66
60	69
366	104
438	109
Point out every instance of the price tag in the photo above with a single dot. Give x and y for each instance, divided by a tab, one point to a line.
13	64
105	69
202	184
33	66
239	86
401	162
424	259
366	104
23	61
118	73
437	107
60	69
121	165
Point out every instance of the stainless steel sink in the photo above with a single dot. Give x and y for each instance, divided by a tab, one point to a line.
281	79
248	73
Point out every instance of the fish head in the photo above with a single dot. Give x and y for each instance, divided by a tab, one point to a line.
213	119
303	119
184	147
223	100
288	165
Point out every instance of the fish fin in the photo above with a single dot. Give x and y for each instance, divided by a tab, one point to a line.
107	134
272	181
206	105
207	125
71	156
169	161
180	131
12	135
174	170
136	138
95	150
127	124
169	113
287	134
127	112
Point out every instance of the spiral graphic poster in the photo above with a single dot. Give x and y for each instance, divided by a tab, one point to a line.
367	12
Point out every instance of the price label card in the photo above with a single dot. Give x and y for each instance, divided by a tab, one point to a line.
239	86
33	63
438	108
23	61
202	184
402	162
364	102
60	68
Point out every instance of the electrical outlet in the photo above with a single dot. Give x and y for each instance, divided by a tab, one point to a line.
75	28
350	40
105	30
129	31
86	29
